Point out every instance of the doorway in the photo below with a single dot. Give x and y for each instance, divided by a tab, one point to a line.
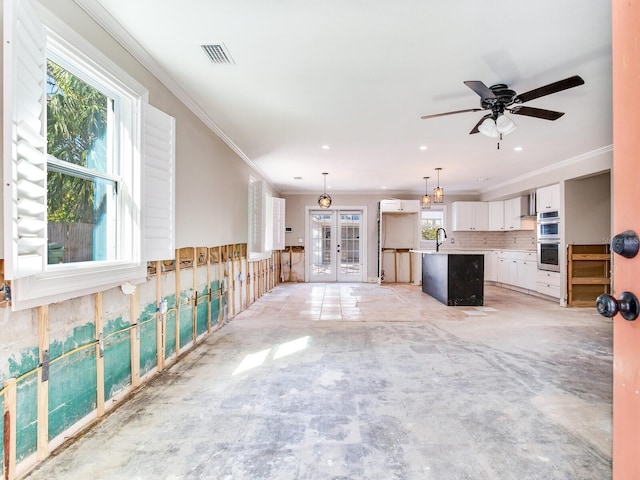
335	245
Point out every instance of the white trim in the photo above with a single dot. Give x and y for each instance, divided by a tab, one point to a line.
39	290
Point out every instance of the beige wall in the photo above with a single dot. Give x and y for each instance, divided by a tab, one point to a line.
587	210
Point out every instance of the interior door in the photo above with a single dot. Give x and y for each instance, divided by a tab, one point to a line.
626	198
335	247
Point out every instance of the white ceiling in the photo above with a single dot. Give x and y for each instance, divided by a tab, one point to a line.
357	75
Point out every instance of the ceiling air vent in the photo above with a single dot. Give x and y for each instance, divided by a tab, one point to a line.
218	54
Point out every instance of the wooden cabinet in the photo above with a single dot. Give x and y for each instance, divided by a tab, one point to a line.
548	198
589	274
496	216
470	216
400	206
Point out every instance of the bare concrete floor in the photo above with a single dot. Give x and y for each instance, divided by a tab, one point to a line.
357	381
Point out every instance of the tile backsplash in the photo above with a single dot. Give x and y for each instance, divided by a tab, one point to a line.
517	240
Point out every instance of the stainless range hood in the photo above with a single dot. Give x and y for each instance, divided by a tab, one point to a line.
528	205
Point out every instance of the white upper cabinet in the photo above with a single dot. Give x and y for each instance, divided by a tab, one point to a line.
548	198
496	216
470	216
402	206
512	212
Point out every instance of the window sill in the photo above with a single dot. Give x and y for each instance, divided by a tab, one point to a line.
53	287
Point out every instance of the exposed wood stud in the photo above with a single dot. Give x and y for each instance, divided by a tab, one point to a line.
43	383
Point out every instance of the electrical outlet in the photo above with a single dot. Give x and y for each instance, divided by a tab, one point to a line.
515	239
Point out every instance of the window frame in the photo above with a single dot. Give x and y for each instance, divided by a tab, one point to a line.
431	244
60	282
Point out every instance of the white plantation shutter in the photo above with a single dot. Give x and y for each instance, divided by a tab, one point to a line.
159	185
278	223
25	174
257	215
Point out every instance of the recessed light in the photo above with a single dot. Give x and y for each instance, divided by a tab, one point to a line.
482	179
297	178
518	149
384	187
423	147
325	147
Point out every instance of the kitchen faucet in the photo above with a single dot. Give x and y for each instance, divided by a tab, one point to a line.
438	242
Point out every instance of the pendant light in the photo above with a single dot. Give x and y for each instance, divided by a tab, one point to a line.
438	192
324	200
425	201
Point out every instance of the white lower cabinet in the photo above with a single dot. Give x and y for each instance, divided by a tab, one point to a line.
517	268
491	266
548	283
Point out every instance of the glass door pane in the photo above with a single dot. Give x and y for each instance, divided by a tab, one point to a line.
349	247
322	258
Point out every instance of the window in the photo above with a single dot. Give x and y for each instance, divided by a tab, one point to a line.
83	164
430	221
91	196
266	221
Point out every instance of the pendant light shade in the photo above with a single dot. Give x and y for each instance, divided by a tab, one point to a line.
324	200
438	192
425	201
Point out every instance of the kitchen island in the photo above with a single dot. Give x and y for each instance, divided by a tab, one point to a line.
455	279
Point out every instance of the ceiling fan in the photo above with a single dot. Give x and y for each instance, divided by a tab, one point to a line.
500	98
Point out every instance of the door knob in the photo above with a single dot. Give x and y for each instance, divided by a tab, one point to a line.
625	244
627	305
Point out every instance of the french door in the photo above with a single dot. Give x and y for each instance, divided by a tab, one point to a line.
335	246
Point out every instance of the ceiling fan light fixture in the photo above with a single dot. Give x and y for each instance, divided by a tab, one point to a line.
488	128
425	200
324	200
505	125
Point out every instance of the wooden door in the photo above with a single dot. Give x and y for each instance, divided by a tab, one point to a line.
626	272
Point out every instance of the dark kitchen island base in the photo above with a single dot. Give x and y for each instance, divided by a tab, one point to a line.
455	279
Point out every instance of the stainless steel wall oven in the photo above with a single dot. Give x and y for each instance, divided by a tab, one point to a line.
548	228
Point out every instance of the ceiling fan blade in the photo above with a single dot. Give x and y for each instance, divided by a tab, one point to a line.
475	129
451	113
480	88
536	112
565	84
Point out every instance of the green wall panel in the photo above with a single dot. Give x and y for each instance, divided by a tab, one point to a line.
202	311
148	342
170	327
72	389
29	360
215	302
186	318
27	416
117	357
186	324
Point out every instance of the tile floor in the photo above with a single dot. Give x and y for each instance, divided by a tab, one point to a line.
358	381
